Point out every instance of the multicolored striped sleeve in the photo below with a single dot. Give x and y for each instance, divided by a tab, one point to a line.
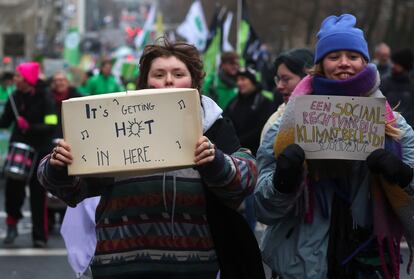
70	189
231	177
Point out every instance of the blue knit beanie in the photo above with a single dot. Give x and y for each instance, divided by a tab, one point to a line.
340	33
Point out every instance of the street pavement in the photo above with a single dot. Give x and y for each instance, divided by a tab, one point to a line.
21	261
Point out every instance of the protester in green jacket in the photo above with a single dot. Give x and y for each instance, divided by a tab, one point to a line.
104	82
6	86
221	86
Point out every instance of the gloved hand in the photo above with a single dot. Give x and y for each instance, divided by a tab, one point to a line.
289	168
22	123
390	167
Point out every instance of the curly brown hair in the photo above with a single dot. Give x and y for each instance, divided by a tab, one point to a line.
186	53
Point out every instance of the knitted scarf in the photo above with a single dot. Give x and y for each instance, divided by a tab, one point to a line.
391	209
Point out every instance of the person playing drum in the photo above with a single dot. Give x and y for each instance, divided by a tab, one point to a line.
32	110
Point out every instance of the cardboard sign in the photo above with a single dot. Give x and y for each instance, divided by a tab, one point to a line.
139	132
338	127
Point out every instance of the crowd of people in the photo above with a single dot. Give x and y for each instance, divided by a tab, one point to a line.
323	218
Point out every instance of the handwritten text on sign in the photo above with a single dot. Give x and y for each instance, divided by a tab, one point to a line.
337	127
142	131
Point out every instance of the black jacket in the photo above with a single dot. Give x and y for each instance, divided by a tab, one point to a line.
399	90
249	114
236	246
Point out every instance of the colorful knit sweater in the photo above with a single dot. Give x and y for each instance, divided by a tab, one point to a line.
156	223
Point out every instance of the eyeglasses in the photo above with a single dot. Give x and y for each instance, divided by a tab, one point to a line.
284	79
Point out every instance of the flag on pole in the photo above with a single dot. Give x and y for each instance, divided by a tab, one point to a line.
143	38
226	46
249	44
212	51
194	28
71	53
159	25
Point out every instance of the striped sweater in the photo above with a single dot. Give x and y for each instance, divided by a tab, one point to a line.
157	223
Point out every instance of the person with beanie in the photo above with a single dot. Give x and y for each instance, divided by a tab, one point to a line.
399	86
32	112
291	66
249	111
335	218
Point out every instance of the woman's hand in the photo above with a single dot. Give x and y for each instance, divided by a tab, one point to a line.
61	155
205	151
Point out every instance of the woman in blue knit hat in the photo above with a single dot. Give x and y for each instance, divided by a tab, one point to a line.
336	218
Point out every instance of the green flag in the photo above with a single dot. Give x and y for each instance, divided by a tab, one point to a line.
71	53
142	39
129	71
194	28
212	51
248	43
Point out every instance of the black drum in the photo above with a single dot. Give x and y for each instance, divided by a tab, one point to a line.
19	161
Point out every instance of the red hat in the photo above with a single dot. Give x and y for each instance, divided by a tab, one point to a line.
30	72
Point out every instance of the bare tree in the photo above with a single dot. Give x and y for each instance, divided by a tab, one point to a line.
311	23
287	24
373	8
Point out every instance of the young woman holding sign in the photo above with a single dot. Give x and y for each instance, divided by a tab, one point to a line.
177	224
336	218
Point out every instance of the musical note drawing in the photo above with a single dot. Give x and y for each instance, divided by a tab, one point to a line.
84	134
179	145
115	100
83	157
182	104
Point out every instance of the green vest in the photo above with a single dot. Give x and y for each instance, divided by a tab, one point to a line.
101	84
220	92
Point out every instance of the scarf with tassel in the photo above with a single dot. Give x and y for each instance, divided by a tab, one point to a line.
391	208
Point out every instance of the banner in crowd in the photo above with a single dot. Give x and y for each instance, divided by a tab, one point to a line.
337	127
71	52
226	45
211	55
143	38
159	25
139	132
248	43
194	28
51	66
